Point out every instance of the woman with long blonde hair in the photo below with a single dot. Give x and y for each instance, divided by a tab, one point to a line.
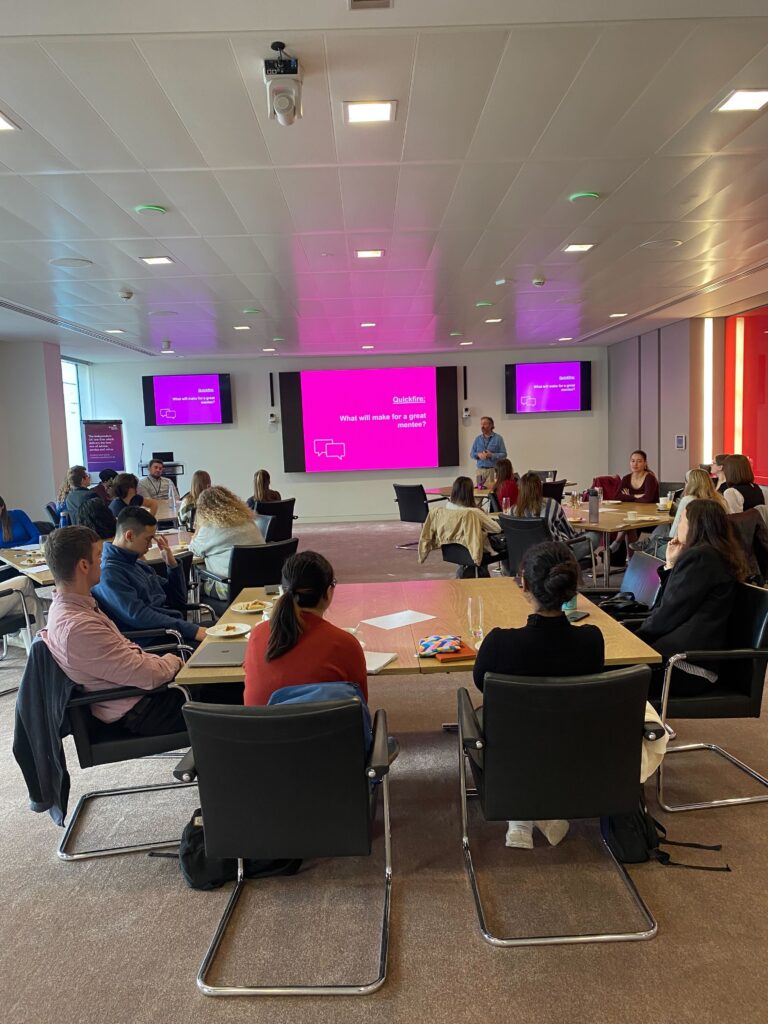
201	481
223	522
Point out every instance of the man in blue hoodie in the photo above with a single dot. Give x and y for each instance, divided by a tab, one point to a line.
130	591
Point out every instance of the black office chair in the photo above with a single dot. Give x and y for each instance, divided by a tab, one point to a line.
555	748
554	489
250	565
736	693
43	528
53	515
282	514
521	534
320	801
457	554
264	524
413	506
96	742
665	486
641	579
547	475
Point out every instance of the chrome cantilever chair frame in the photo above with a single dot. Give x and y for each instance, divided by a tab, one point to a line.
679	660
63	851
304	990
648	932
377	767
27	626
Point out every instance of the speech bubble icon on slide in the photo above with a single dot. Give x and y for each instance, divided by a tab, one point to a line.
167	414
319	445
528	401
336	450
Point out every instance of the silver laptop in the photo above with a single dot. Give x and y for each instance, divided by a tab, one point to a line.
220	654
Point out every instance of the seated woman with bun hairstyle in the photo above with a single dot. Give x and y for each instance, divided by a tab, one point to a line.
547	645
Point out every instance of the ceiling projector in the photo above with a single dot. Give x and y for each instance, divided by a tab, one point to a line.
282	77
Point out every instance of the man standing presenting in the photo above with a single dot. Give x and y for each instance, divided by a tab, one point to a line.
487	450
156	485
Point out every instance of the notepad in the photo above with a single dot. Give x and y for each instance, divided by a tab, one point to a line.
398	619
375	661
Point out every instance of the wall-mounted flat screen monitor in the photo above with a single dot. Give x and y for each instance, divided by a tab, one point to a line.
548	387
337	421
180	400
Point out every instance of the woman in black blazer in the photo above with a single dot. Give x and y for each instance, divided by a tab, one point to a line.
548	645
704	566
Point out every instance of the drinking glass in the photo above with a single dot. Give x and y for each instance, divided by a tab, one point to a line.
475	618
600	494
506	506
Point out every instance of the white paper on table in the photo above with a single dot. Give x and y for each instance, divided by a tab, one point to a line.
397	619
375	661
37	568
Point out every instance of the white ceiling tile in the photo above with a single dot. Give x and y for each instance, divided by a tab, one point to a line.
313	196
423	194
200	200
241	254
113	76
535	72
32	85
258	200
45	217
205	86
368	197
614	75
452	75
84	200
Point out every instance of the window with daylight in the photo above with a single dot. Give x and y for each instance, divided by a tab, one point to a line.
70	377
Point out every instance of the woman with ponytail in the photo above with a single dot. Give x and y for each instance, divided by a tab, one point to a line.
298	645
548	645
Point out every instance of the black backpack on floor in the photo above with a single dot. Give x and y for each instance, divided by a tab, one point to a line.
206	873
635	838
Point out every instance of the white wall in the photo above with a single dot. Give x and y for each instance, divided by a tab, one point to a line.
576	445
33	453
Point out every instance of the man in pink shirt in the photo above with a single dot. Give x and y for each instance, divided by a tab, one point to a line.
92	651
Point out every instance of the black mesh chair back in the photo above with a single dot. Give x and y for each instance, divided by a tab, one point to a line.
258	565
53	515
411	502
642	577
566	747
554	489
282	782
282	514
264	524
545	474
521	534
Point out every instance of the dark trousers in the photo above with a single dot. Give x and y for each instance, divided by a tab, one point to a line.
160	713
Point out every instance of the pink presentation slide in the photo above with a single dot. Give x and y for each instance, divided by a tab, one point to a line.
369	419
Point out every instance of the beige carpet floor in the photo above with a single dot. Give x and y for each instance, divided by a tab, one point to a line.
120	939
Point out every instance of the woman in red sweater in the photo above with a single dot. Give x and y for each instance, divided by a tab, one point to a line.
297	645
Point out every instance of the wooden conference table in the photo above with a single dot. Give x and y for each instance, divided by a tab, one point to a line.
22	559
613	518
504	604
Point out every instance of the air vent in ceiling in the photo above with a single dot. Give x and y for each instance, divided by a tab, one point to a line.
370	5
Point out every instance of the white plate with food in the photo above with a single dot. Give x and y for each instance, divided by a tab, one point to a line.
251	607
229	629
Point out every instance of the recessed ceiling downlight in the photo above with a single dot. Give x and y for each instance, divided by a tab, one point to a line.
162	312
574	197
70	261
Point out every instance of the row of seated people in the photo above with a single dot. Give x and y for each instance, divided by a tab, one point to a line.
703	568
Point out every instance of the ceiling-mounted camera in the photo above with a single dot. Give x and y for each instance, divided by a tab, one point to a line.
282	77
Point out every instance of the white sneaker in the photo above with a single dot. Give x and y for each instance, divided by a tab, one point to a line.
520	835
554	830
